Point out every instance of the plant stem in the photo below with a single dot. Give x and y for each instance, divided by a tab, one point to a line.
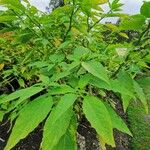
70	22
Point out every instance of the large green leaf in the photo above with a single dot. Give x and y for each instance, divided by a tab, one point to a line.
97	114
68	140
29	118
96	69
53	131
145	9
118	86
134	22
58	122
117	121
123	84
22	94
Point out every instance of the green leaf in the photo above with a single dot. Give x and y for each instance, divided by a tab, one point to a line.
99	83
81	52
23	94
115	5
141	95
88	5
1	116
124	85
124	35
126	101
29	118
96	69
68	140
14	4
134	22
118	86
55	129
117	121
7	18
97	114
58	122
62	89
145	84
145	9
84	80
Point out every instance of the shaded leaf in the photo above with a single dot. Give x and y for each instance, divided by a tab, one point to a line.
117	121
141	95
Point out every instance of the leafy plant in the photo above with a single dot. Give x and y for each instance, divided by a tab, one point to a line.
69	65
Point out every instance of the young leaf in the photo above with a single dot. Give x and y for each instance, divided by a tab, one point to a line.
97	114
58	121
29	118
117	121
96	69
63	89
23	94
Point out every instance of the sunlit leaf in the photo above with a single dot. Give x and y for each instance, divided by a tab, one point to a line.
97	114
29	118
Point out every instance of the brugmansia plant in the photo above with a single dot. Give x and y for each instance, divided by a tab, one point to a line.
69	65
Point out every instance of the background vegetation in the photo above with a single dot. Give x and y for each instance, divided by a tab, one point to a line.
61	67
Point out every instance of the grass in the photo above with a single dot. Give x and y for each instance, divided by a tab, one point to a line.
140	121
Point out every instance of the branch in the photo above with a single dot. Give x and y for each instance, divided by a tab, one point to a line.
70	22
103	16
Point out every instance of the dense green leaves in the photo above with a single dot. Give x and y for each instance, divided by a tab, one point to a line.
69	54
29	118
97	114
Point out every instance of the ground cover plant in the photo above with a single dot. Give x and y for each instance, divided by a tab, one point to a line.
60	67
